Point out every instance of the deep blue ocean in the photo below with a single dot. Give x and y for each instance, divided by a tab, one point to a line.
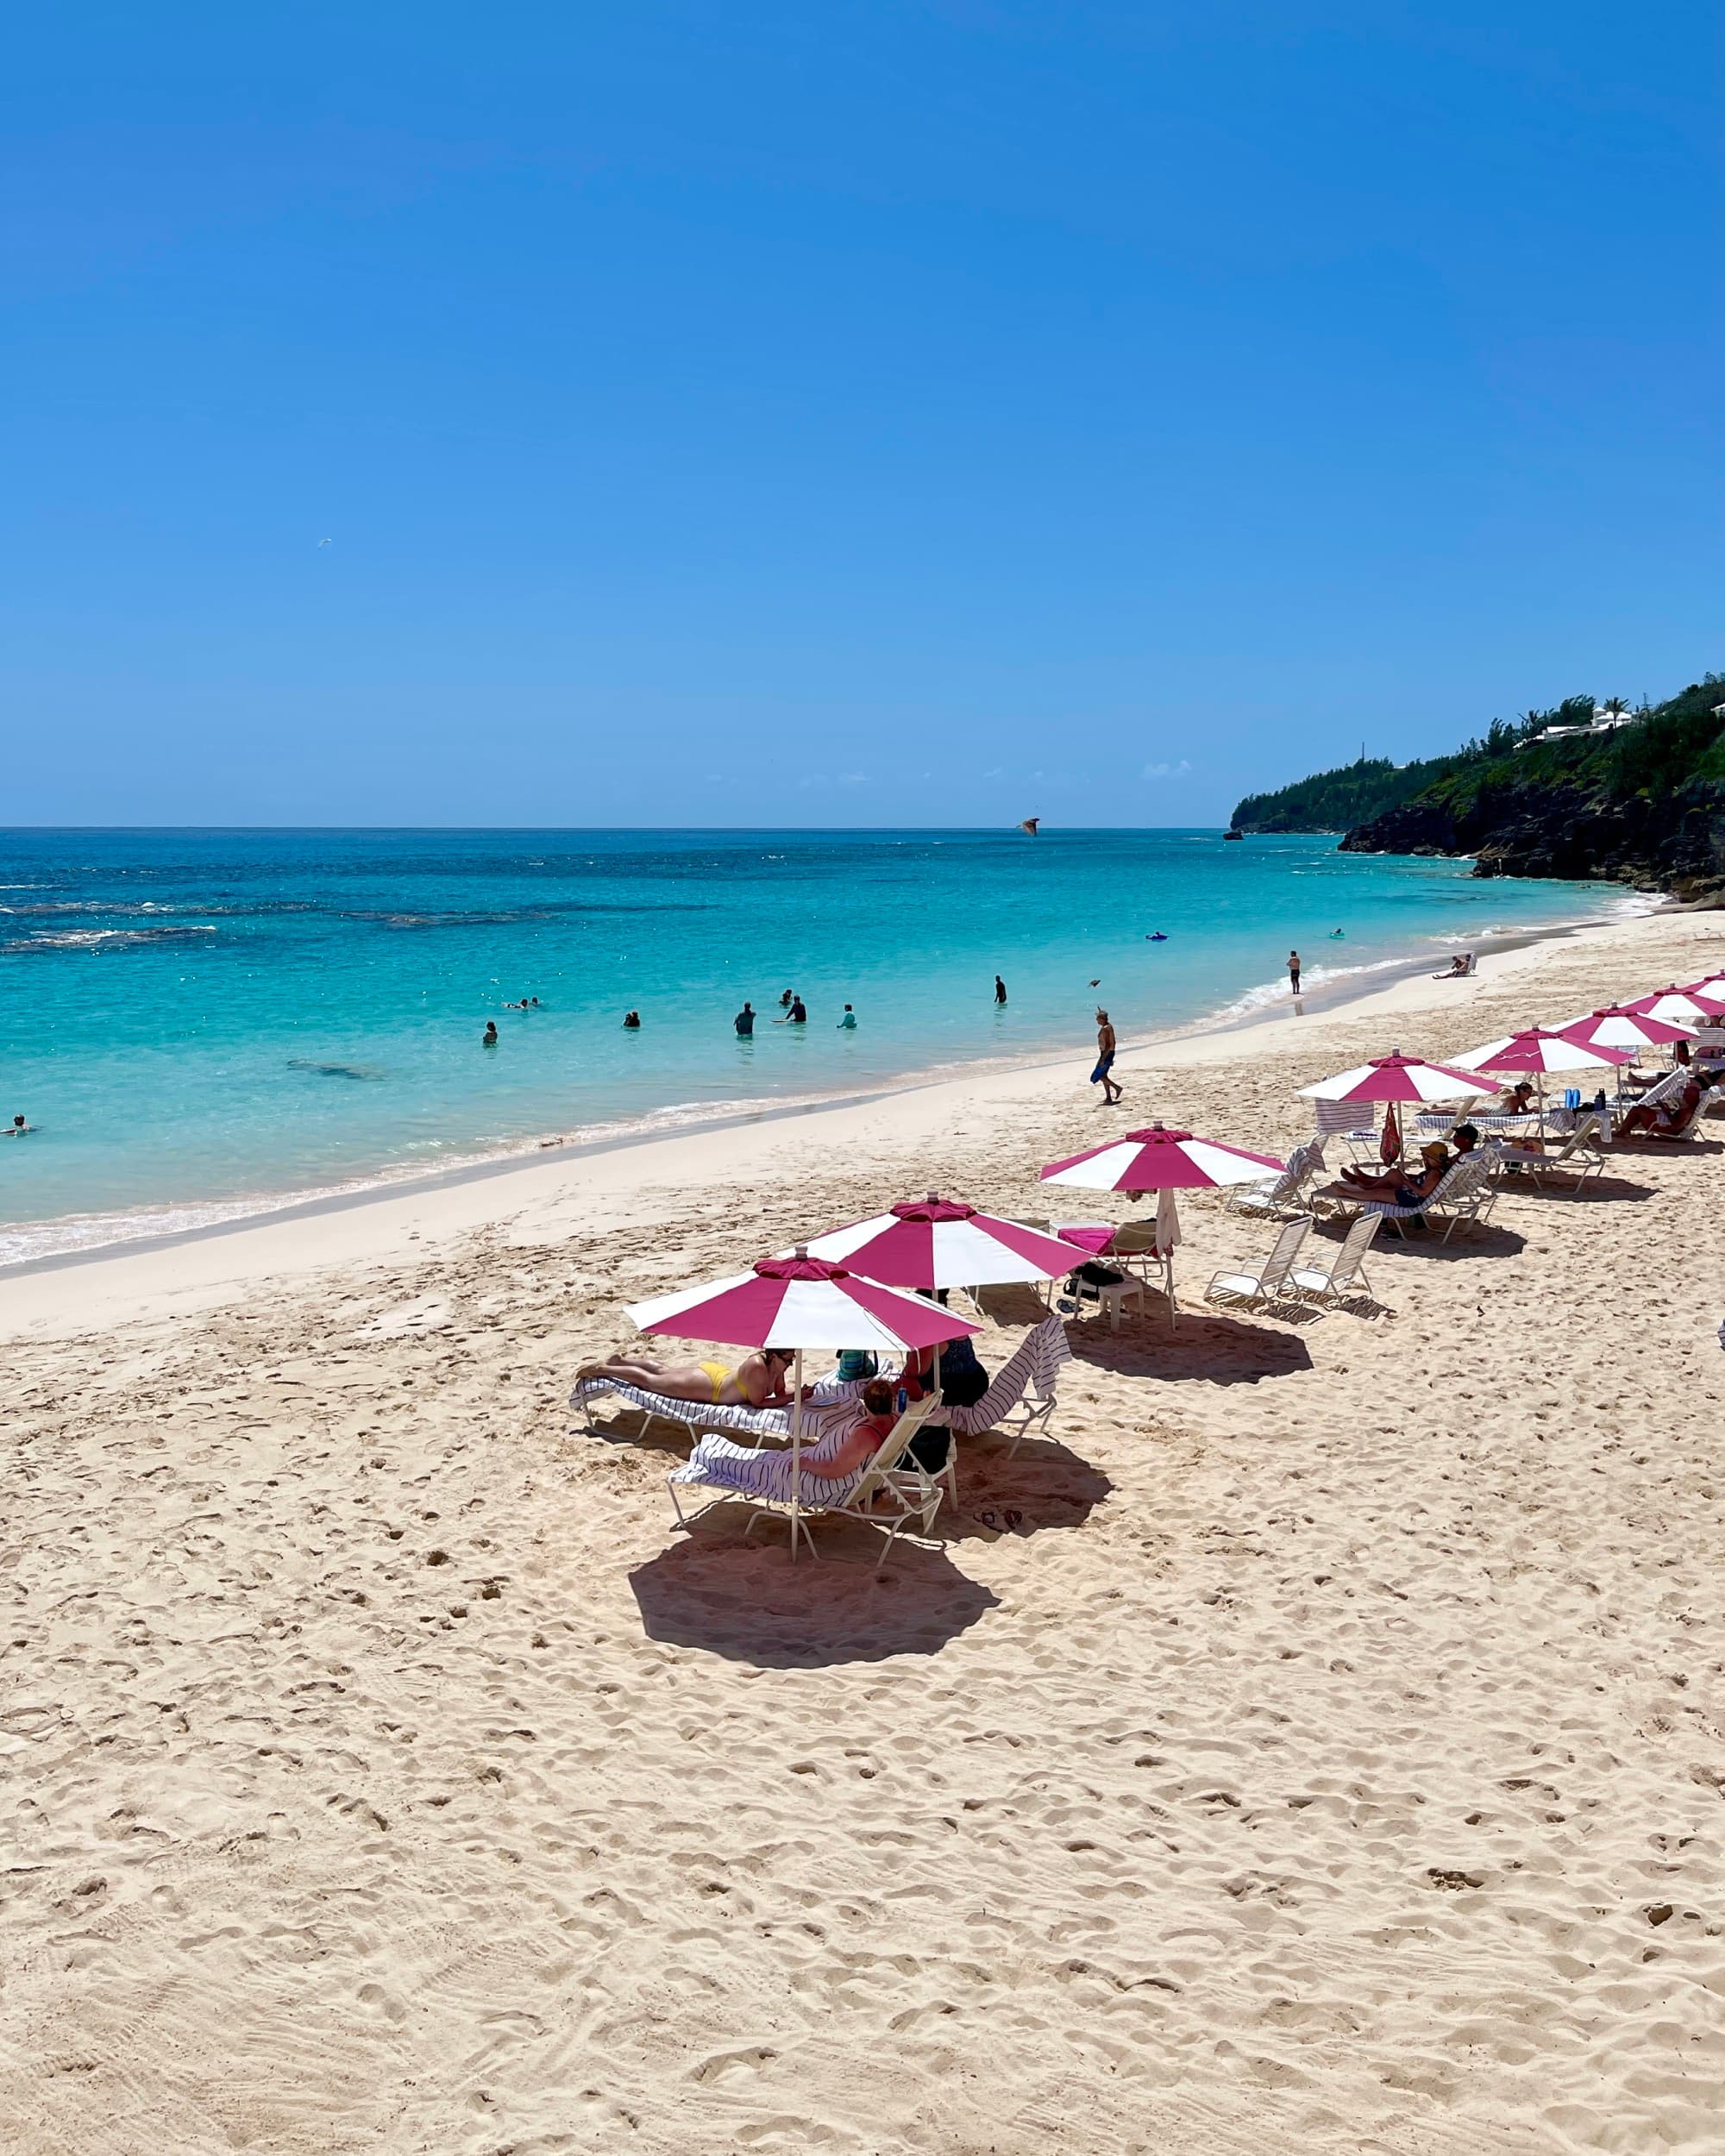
200	1022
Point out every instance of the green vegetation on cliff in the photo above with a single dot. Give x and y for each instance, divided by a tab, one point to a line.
1644	802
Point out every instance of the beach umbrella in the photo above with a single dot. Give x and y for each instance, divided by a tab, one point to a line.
799	1302
1536	1050
1394	1077
936	1242
1165	1161
1686	1006
1710	989
1618	1026
1159	1159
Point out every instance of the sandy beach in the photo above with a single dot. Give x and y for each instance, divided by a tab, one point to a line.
1332	1759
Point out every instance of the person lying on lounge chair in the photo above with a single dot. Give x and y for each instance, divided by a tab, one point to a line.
1639	1080
1516	1099
758	1380
1671	1118
1399	1185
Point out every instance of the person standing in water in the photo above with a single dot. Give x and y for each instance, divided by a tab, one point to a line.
1293	971
848	1023
490	1040
745	1023
1105	1051
999	990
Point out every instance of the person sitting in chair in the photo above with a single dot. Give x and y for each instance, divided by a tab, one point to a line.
840	1454
1670	1119
1400	1186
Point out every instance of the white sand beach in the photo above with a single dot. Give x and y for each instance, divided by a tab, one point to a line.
1332	1758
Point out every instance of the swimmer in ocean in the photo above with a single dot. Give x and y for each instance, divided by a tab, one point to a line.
490	1040
848	1023
20	1129
631	1021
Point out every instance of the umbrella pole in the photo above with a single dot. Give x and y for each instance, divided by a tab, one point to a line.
796	1452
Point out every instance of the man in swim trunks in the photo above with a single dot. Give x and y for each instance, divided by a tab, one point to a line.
1000	990
1105	1051
758	1380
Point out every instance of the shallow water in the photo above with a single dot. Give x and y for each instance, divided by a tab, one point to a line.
196	1022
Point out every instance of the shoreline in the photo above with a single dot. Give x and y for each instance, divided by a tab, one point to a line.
200	1266
1346	986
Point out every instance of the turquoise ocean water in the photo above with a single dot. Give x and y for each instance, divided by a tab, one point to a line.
198	1023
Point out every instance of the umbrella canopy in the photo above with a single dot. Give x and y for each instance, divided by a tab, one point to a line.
1537	1049
936	1242
1394	1077
1621	1027
1709	990
1685	1006
1158	1159
800	1302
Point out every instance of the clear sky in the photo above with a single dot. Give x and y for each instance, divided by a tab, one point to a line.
838	411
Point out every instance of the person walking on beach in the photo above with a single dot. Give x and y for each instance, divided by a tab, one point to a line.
1293	971
848	1023
1000	990
745	1023
1106	1050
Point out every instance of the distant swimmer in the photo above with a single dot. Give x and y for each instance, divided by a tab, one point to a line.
490	1040
1000	990
797	1015
745	1023
1335	932
20	1129
1293	971
1097	982
848	1023
631	1021
1158	938
789	998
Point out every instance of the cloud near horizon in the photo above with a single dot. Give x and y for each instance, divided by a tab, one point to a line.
1167	770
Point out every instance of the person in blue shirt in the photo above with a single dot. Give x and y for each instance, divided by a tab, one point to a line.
848	1023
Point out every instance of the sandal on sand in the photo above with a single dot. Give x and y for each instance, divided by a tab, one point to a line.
1015	1520
988	1518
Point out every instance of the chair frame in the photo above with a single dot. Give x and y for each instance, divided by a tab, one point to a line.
1322	1291
1269	1283
914	1495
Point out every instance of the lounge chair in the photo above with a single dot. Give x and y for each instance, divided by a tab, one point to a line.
1346	1275
1270	1283
1278	1194
1656	1096
905	1491
1687	1127
1464	1193
697	1415
1577	1158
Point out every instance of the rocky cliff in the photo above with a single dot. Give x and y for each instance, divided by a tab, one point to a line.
1643	806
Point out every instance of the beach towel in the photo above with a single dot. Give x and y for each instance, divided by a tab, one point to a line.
768	1473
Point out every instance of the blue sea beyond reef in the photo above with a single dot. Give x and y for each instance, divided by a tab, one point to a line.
202	1022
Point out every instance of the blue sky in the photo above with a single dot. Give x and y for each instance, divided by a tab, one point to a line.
837	413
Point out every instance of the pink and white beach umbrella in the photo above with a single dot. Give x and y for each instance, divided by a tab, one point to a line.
1159	1159
800	1302
1621	1027
1538	1050
1394	1077
1711	989
1686	1006
936	1242
1166	1161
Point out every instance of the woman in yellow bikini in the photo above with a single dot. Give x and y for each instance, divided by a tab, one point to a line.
758	1380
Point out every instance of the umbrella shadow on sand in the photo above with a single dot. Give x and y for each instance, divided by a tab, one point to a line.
747	1602
1226	1351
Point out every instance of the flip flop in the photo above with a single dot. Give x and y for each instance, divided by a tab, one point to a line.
1015	1519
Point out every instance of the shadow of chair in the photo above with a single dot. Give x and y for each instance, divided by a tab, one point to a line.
1205	1343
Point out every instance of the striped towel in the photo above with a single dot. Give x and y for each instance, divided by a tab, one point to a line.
1033	1366
1345	1117
720	1463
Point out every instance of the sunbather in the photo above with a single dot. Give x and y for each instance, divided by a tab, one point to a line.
1516	1099
1460	966
840	1454
1669	1119
1401	1185
1639	1080
758	1380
